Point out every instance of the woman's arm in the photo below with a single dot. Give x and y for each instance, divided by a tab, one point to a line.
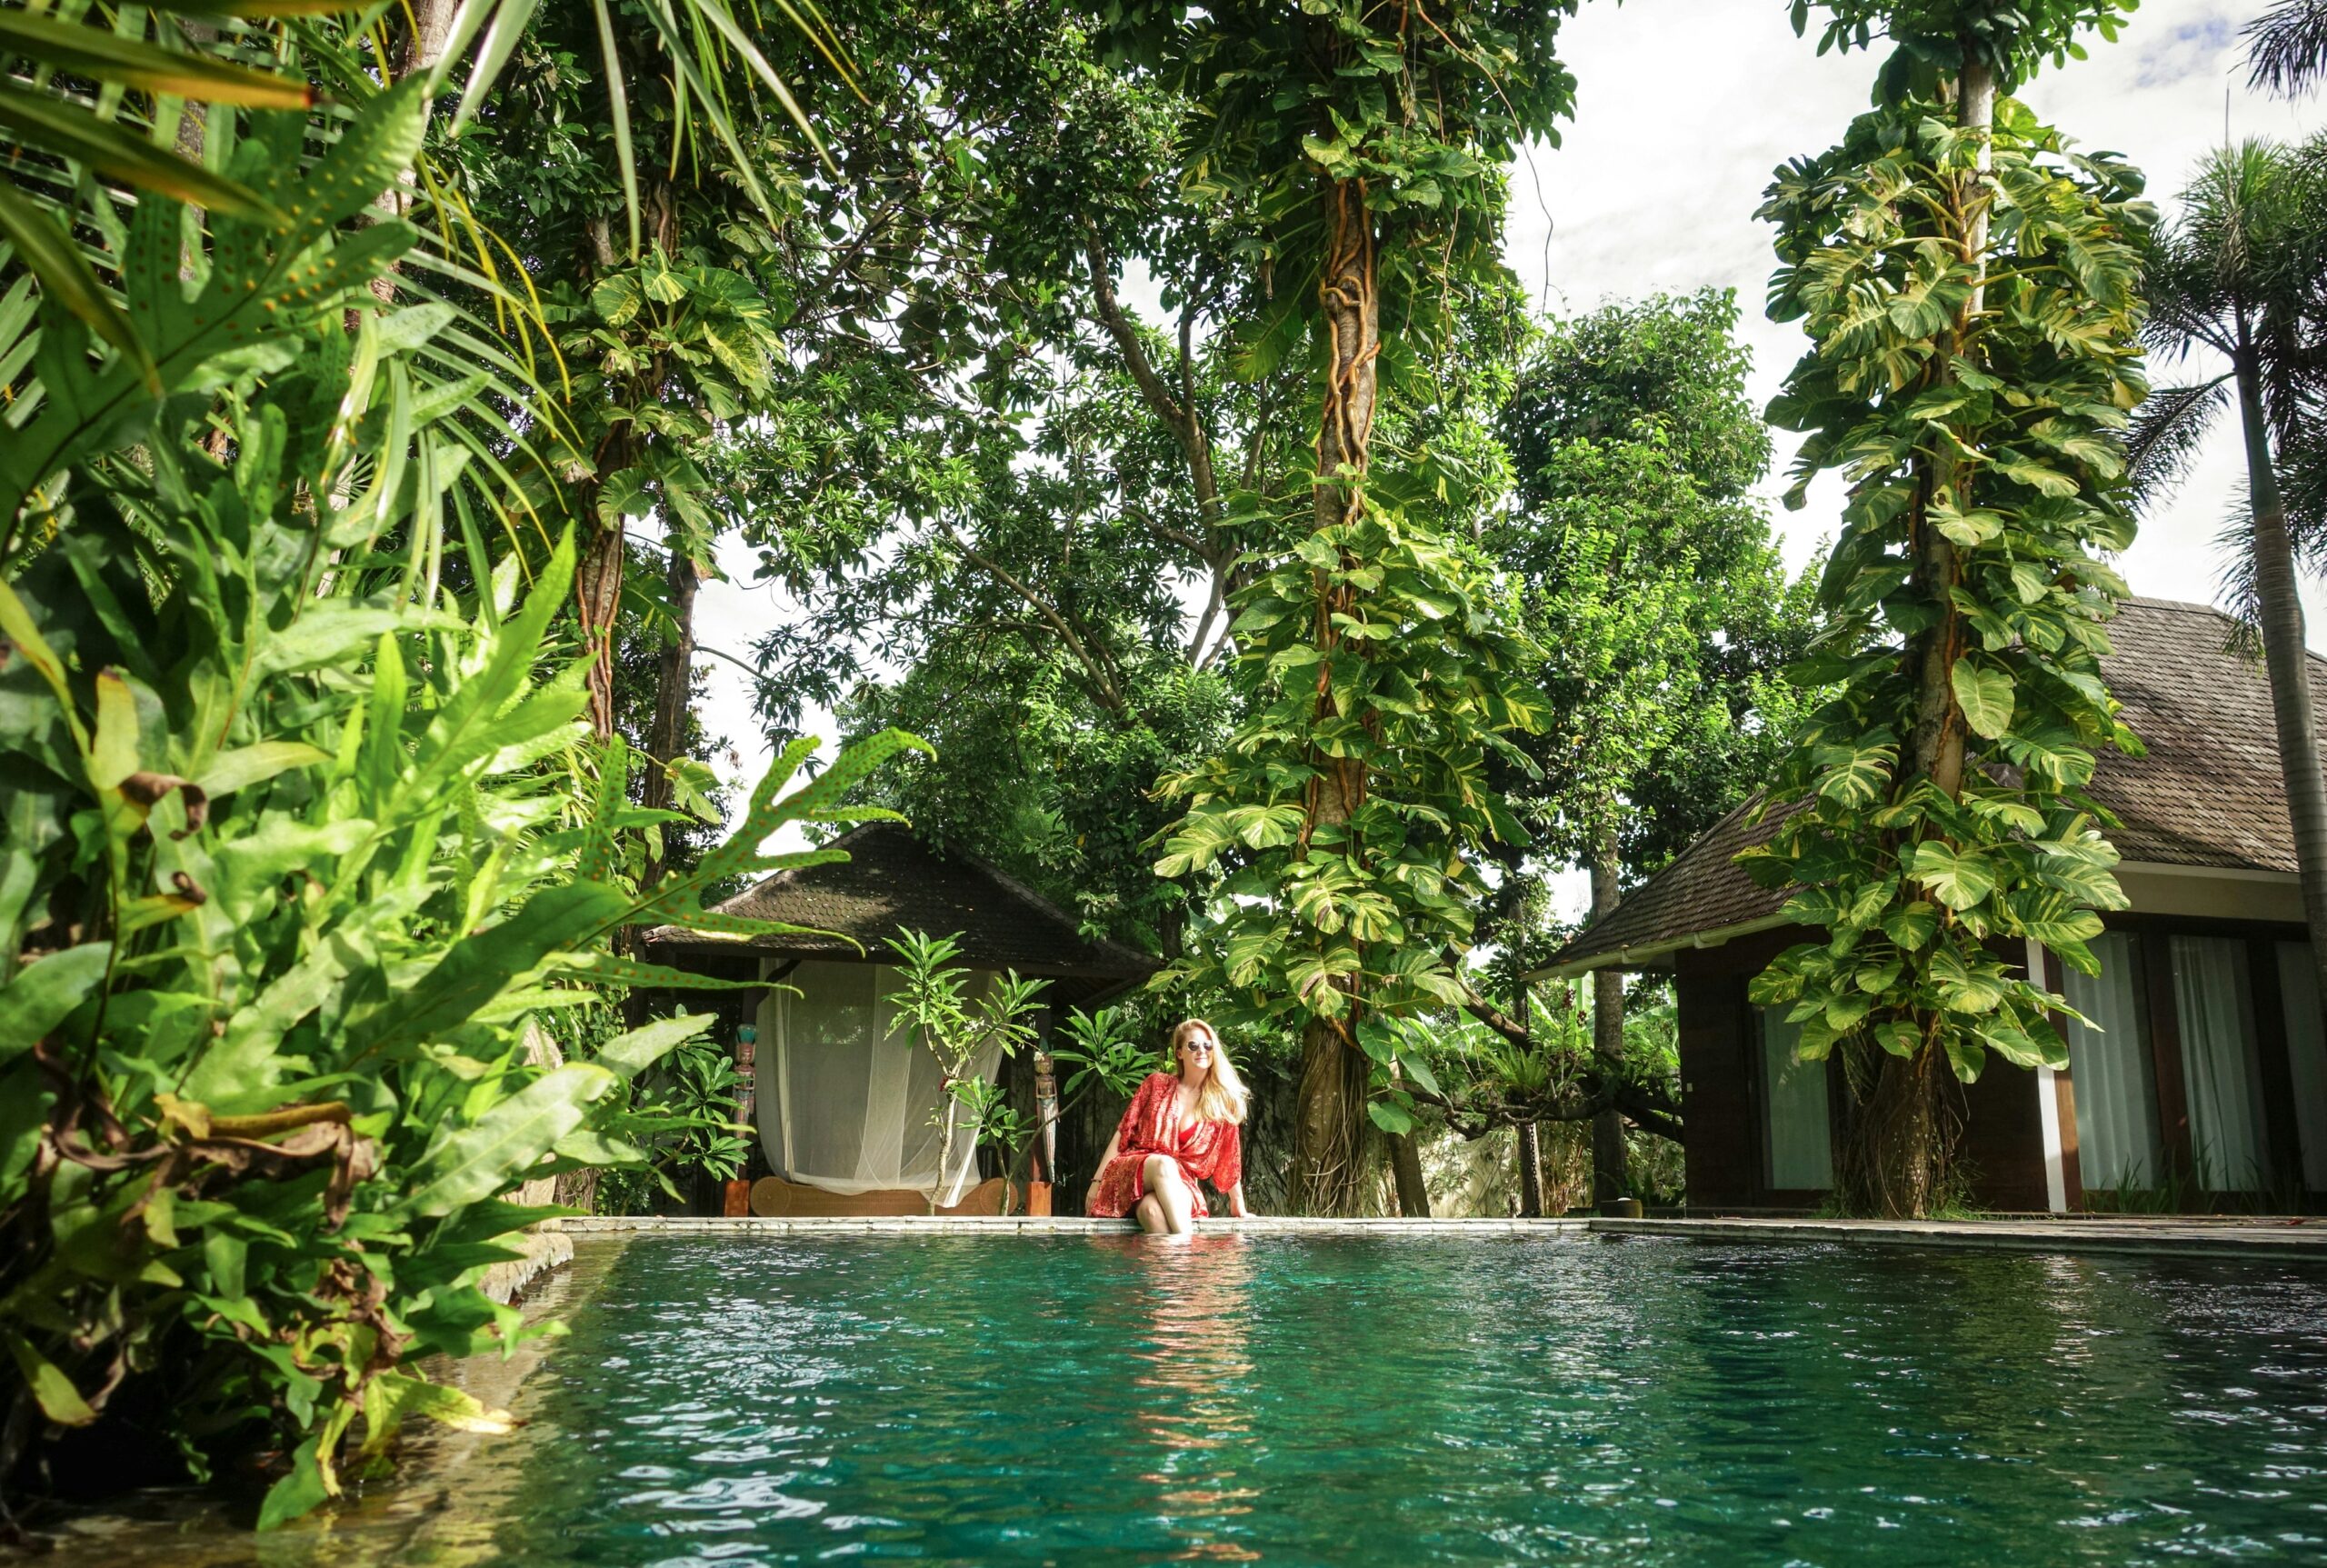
1236	1209
1113	1148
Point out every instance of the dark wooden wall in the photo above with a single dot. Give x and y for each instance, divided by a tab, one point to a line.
2003	1149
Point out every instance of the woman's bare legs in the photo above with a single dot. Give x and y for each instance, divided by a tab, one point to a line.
1167	1189
1150	1215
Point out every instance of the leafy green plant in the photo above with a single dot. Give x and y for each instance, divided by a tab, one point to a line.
301	844
1971	283
958	1029
683	1122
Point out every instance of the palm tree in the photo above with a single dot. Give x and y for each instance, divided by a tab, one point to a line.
2286	46
2239	272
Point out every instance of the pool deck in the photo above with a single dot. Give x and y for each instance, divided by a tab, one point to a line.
2195	1236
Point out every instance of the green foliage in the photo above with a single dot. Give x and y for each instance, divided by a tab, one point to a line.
1479	1078
1378	660
962	1032
1420	688
683	1115
2243	271
1996	427
1937	38
1648	579
1103	1051
298	855
1299	101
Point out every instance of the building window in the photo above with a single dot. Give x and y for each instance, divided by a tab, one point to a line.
2307	1057
1793	1099
2220	1070
2115	1076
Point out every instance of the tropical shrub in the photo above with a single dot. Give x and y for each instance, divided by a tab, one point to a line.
957	1021
303	839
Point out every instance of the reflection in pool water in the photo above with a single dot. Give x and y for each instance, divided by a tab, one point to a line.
1075	1399
1189	1399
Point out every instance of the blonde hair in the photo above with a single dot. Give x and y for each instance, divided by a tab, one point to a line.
1223	1097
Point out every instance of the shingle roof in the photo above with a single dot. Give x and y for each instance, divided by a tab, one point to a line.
2207	794
891	883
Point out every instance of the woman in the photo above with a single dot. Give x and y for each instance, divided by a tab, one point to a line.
1180	1129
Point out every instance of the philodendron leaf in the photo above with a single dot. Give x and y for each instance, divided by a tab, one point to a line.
1957	881
494	1151
1392	1119
1986	692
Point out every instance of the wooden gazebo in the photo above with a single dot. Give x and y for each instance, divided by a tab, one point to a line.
844	1103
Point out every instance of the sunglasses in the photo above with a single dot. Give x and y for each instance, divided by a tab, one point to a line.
1203	1047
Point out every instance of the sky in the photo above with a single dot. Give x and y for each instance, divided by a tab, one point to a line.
1683	109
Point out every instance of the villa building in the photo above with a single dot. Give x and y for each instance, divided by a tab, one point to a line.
2204	1085
847	1106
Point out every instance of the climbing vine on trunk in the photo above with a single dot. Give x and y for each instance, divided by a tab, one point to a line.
1970	283
1363	140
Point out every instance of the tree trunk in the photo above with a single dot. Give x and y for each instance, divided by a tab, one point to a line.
674	688
1405	1164
1334	1073
1327	1142
1936	749
1893	1150
1531	1172
597	599
1897	1153
1609	1177
2285	656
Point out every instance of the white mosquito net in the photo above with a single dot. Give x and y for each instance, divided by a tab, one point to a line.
846	1105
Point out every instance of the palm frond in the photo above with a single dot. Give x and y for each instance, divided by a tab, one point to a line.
2166	433
2234	587
2286	47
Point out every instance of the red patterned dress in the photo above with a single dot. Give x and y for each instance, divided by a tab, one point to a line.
1206	1151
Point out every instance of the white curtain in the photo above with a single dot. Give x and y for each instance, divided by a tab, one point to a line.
2299	992
848	1101
1802	1151
2111	1074
2220	1068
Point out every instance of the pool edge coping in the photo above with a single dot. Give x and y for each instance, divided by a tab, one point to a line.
2255	1243
1053	1225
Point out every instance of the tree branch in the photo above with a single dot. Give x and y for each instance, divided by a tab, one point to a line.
1179	418
1103	686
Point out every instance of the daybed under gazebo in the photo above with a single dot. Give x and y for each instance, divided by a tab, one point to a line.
845	1106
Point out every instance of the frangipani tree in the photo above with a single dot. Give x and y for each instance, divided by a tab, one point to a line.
1971	284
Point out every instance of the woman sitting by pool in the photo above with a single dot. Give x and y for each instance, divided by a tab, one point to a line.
1179	1131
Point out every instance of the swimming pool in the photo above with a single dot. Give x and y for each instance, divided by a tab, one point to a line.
1083	1400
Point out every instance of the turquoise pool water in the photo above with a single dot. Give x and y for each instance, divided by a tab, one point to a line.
1081	1400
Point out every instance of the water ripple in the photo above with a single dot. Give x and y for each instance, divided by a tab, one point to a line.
1102	1400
